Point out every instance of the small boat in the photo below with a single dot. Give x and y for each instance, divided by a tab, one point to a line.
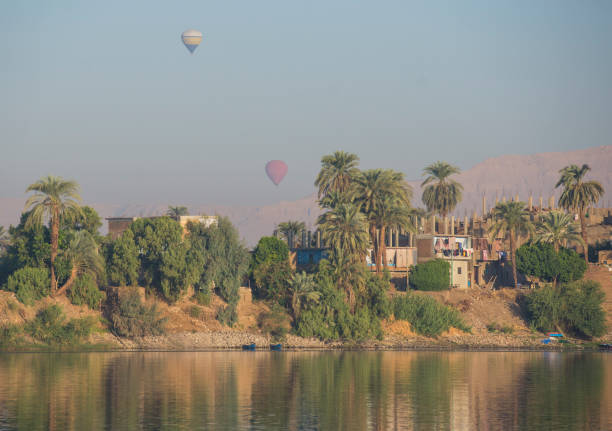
555	334
546	341
605	346
248	346
276	346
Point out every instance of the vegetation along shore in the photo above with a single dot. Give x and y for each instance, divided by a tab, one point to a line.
375	272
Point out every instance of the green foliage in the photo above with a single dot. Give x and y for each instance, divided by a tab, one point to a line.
574	307
129	317
9	335
50	327
195	312
274	322
29	284
217	258
202	297
28	247
85	291
87	219
122	264
272	281
542	261
430	276
330	318
228	315
270	249
426	315
494	327
441	194
162	256
376	297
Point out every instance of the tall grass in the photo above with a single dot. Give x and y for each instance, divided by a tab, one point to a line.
427	316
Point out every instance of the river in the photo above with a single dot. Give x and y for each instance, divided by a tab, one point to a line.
353	390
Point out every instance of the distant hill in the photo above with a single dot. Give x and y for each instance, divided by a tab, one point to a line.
505	175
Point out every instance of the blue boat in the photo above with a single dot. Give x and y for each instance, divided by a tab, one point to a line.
276	346
248	346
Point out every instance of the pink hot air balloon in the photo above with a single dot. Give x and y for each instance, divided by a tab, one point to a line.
276	170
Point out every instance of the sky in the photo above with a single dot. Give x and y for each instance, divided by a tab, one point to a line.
106	94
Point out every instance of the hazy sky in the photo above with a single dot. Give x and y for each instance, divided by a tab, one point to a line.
105	93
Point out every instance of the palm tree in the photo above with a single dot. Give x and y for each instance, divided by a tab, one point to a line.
578	195
333	198
337	172
345	228
558	229
390	214
83	255
176	212
371	188
303	289
511	220
441	194
290	231
54	198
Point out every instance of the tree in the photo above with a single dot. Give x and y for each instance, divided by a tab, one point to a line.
87	219
541	260
84	257
578	195
558	229
54	198
290	230
431	275
345	229
176	212
4	239
224	259
441	194
303	290
122	263
270	249
511	220
337	172
390	214
154	238
378	191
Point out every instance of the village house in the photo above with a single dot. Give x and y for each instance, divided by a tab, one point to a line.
118	225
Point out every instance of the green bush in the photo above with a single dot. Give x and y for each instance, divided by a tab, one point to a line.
274	322
426	315
29	284
85	291
9	335
228	315
195	312
272	281
270	249
330	318
129	317
542	261
202	297
432	275
575	308
50	328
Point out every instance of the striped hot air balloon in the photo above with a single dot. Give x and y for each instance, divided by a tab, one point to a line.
191	39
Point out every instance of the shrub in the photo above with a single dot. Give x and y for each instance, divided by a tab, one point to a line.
50	328
202	297
426	315
540	260
85	291
274	322
575	308
432	275
195	312
122	262
29	284
272	281
228	315
9	335
129	317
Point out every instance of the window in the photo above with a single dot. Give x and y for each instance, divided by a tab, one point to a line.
459	270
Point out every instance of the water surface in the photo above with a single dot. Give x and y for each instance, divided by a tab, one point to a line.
306	391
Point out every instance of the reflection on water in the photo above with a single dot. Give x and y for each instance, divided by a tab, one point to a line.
306	390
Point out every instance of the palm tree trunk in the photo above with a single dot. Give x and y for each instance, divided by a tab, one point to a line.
512	257
374	245
54	246
381	248
73	275
584	236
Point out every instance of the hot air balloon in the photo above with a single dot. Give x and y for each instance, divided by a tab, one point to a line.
276	170
191	39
